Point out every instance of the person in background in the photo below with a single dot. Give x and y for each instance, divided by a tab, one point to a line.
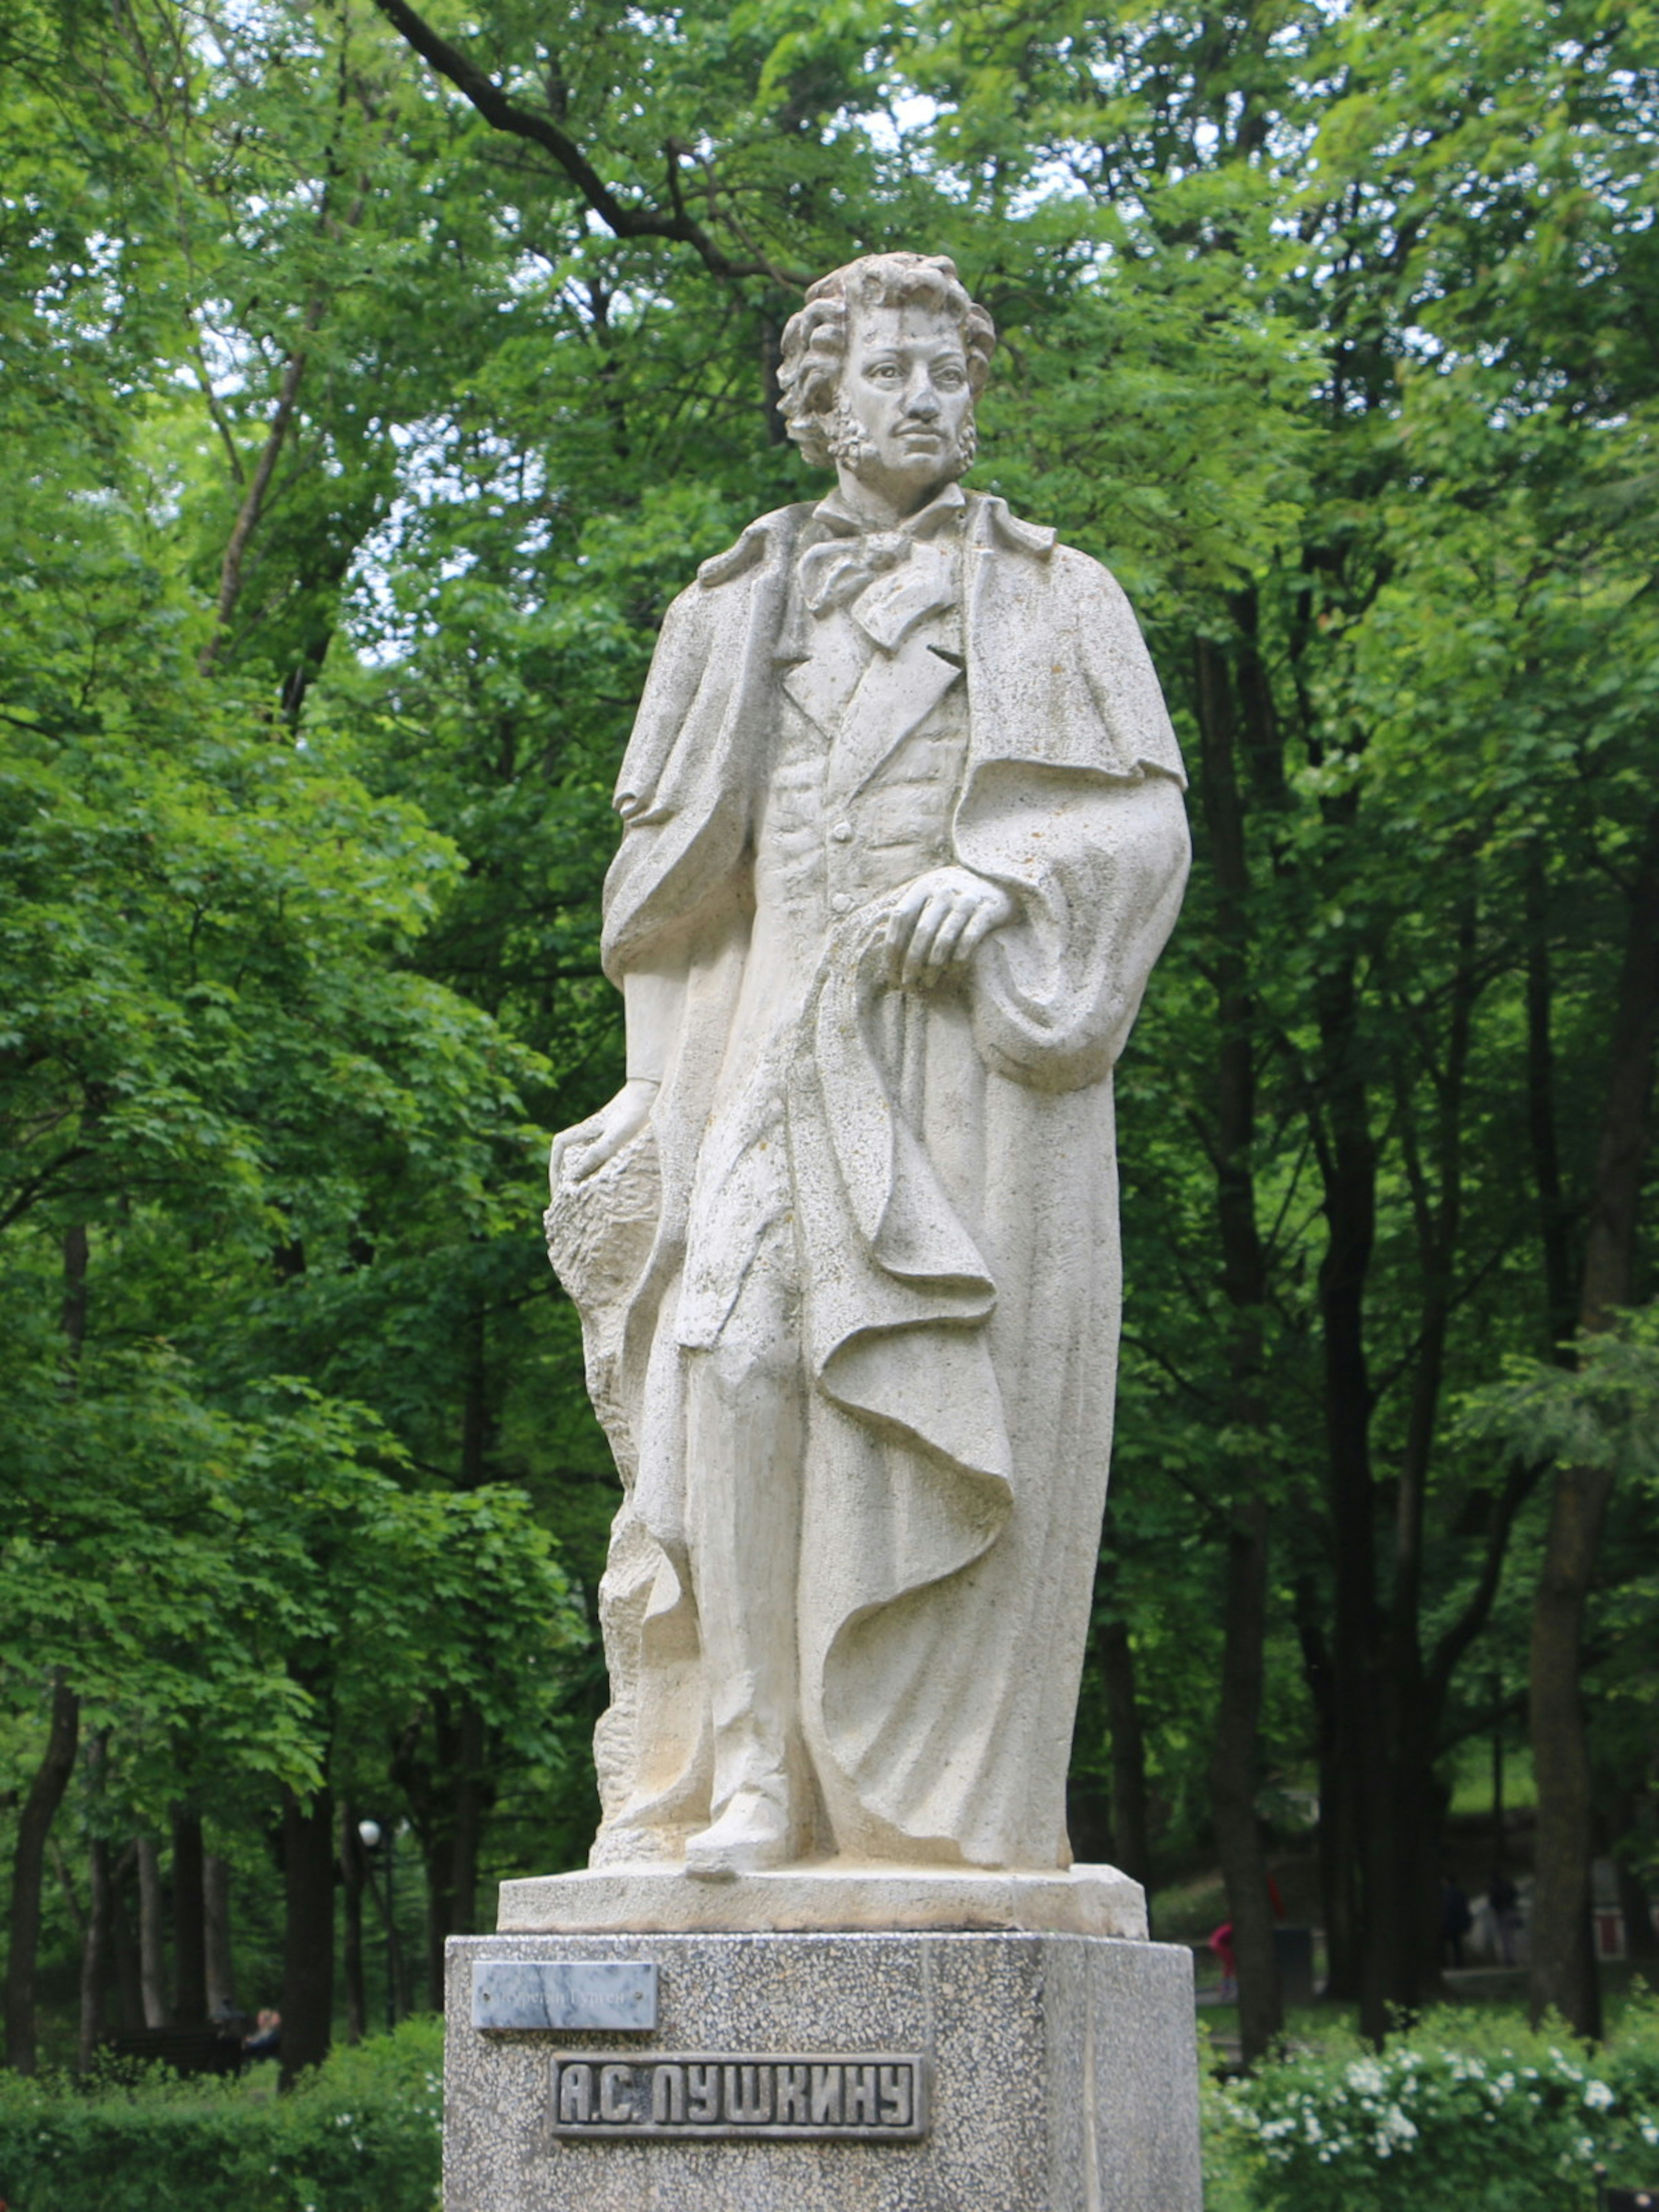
1456	1920
1221	1943
267	2040
1504	1899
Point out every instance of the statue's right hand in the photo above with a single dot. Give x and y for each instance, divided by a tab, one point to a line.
579	1152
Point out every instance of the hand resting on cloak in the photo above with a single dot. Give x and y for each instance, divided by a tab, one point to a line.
938	923
580	1151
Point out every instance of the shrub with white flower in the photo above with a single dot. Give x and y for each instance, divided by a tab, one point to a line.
1469	2113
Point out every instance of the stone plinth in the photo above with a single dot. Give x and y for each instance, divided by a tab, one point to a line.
922	2070
824	1897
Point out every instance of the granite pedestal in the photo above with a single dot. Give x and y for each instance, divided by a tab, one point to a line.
912	2069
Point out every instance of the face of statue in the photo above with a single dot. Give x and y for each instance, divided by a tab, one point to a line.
905	403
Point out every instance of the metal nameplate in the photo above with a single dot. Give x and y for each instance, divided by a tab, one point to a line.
521	1995
870	2096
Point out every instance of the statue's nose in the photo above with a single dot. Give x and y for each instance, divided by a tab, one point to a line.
924	402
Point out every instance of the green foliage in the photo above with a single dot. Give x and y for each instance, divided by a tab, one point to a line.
289	1156
1603	1411
1463	2111
362	2134
1329	330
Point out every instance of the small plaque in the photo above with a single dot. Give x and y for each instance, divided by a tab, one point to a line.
868	2096
515	1996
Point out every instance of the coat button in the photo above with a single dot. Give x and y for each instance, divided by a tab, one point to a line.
842	833
841	902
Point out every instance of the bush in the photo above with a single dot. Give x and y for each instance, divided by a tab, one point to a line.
1469	2113
363	2134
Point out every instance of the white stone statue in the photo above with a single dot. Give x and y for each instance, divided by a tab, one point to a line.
904	835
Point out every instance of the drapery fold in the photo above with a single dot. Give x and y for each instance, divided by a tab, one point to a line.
951	1158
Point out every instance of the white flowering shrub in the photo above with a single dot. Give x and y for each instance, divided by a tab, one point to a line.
1470	2112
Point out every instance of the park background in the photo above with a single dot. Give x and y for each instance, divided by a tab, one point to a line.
369	382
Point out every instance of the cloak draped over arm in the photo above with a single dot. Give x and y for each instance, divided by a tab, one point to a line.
1073	802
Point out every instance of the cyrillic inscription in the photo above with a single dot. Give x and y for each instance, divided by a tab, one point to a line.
876	2097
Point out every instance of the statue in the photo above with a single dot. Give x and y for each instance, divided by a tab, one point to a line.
903	837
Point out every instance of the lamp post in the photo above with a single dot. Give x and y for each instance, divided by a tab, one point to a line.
372	1837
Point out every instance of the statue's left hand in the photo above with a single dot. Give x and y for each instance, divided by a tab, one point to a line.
582	1151
941	922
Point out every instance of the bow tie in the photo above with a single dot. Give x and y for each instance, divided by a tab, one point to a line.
888	578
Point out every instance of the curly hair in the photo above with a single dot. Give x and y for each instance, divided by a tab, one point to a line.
815	340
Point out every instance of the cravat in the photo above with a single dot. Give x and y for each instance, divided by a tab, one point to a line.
888	578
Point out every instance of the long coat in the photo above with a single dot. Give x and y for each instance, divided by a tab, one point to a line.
954	1178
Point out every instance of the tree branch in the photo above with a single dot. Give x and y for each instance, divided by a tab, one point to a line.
504	114
33	1186
253	500
1461	1633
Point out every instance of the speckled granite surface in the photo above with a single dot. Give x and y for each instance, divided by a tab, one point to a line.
1063	2076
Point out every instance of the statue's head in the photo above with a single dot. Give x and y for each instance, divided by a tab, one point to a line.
890	303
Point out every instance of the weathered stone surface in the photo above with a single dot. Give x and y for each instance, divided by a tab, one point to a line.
904	835
1062	2077
1086	1900
516	1994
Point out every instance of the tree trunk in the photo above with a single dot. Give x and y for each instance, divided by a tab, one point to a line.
472	1795
1244	1272
1130	1838
1232	1784
77	1252
1418	1808
189	2004
253	497
45	1795
1339	1877
398	2003
351	1895
97	1934
1633	1818
1414	1695
308	1932
1563	1956
1348	1167
256	488
1554	1214
95	1952
450	1794
437	1856
1564	1975
220	1967
477	1424
124	1942
152	1940
1336	1836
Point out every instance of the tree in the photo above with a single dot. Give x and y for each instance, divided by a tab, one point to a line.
377	376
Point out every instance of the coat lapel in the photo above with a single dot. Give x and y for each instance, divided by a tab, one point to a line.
896	695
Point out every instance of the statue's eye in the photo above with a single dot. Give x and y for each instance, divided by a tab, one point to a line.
883	371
